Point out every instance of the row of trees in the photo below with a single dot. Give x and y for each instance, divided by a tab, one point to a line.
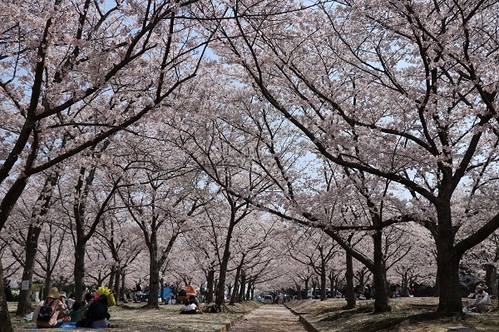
361	119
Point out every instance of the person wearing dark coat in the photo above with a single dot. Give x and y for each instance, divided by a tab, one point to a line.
97	314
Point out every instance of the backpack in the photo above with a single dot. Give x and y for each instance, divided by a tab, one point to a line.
46	311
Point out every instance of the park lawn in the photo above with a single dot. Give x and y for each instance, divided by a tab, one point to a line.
408	314
133	317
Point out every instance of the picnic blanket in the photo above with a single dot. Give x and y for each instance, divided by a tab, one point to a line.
68	325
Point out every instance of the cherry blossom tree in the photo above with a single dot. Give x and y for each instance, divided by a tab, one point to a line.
121	243
161	200
410	86
84	71
315	249
252	253
32	209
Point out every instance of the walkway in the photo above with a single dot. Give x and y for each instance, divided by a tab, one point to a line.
269	318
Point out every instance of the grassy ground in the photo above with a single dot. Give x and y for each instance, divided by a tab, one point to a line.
133	317
408	314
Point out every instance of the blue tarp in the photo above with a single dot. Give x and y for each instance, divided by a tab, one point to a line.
69	325
166	293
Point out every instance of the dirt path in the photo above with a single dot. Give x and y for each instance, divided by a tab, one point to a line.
269	318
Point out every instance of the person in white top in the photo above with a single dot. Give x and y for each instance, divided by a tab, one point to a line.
192	307
482	302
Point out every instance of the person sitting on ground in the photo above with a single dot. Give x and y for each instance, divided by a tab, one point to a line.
97	313
83	321
482	302
77	310
46	317
89	298
63	313
70	301
192	307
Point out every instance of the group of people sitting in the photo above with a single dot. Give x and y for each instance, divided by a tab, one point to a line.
192	306
55	311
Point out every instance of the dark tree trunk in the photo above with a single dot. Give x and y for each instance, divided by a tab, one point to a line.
112	276
379	274
333	283
116	284
24	304
122	292
79	269
47	283
323	280
6	206
249	296
236	286
450	301
242	287
6	325
298	291
377	267
306	288
210	285
152	301
491	279
349	291
220	293
220	296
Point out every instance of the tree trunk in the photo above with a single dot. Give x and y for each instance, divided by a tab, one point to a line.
377	267
122	289
249	296
379	275
152	301
79	269
349	291
236	286
47	283
116	285
220	297
449	294
24	304
6	325
242	287
491	279
323	281
450	301
333	284
6	206
306	288
210	285
112	276
298	291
